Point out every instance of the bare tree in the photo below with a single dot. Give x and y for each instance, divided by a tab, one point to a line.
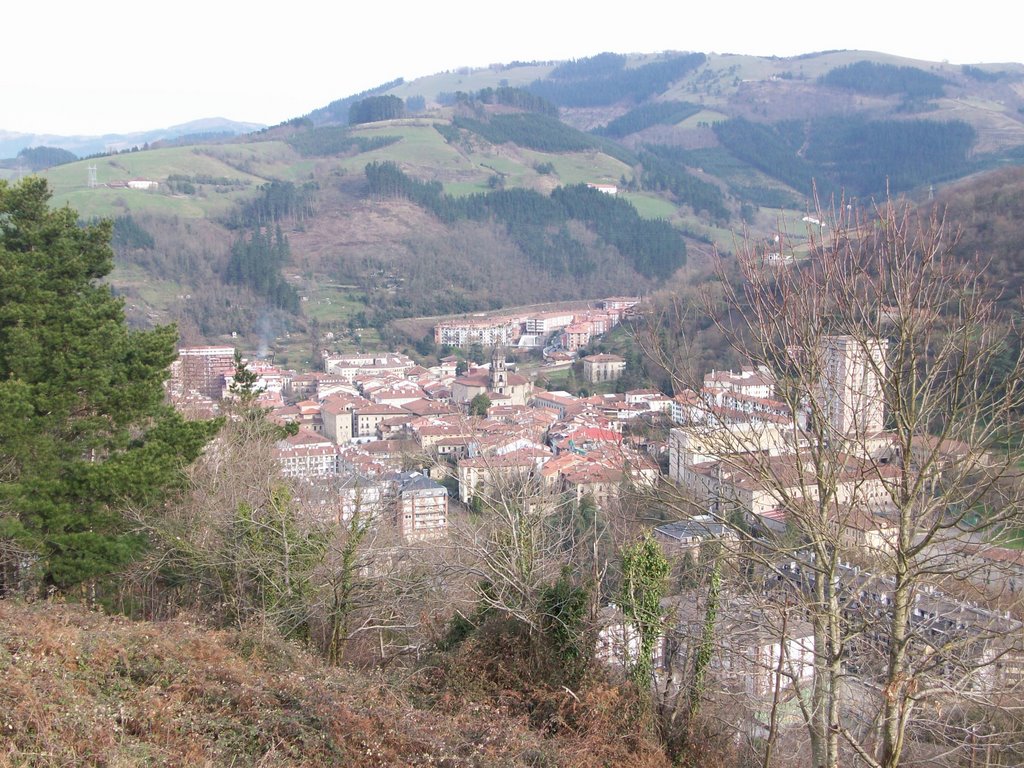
877	502
516	545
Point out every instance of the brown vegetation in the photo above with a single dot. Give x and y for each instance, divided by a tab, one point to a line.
82	688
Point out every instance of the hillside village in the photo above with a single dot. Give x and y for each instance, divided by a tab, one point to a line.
364	420
413	446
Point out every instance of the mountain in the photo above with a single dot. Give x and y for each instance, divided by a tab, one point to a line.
11	143
466	190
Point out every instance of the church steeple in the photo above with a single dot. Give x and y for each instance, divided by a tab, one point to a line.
499	371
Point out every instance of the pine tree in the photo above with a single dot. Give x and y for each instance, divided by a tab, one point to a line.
85	435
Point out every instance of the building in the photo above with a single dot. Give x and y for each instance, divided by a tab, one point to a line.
767	490
543	324
307	455
852	398
203	369
499	384
619	303
487	332
575	336
493	476
758	647
347	367
598	368
336	412
686	536
365	418
421	507
749	382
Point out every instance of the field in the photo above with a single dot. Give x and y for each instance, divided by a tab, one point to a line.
651	207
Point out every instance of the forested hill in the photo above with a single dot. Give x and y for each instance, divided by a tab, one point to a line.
486	202
988	213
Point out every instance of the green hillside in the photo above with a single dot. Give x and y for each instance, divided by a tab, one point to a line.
711	144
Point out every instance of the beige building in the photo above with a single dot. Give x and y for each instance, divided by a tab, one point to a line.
490	476
306	454
598	368
499	384
336	412
421	507
366	418
852	397
202	369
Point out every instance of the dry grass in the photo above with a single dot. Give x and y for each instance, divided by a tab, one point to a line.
82	688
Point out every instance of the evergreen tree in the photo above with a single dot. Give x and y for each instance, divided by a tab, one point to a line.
478	405
84	433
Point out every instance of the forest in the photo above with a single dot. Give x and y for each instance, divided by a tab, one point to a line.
375	108
604	79
664	170
256	261
876	79
854	154
532	130
658	113
652	248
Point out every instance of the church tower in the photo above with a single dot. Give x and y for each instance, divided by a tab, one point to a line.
499	371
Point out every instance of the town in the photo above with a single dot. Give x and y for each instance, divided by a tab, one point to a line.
407	444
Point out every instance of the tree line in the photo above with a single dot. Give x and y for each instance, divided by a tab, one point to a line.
277	201
520	98
329	141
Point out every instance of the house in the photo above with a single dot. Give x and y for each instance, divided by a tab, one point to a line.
686	536
598	368
575	336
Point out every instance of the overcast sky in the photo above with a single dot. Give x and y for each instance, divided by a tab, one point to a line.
113	66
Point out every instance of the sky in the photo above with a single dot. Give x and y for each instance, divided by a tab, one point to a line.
113	66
